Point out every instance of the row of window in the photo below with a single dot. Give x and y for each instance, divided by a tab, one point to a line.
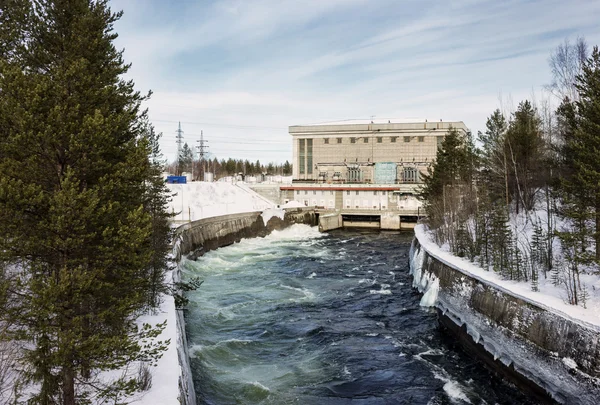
376	192
379	139
365	205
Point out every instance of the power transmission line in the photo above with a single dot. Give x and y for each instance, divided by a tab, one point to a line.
224	125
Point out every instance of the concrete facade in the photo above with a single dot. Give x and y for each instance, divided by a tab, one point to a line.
353	196
347	152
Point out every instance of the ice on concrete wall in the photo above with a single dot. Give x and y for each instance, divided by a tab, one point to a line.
426	282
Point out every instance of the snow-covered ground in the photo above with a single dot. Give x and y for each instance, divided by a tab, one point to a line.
548	297
197	200
165	376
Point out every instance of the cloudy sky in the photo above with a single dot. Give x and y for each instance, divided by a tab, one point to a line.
242	71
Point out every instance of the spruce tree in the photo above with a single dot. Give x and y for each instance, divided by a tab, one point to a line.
580	180
186	158
75	218
525	149
494	159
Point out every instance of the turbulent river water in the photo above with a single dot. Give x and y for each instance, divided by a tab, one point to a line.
301	317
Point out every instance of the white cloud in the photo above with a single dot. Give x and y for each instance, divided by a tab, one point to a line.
244	71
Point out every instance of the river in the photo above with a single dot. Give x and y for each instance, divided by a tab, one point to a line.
301	317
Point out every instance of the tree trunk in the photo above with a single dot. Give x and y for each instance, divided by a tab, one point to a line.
597	233
68	385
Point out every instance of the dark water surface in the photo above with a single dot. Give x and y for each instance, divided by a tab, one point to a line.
306	318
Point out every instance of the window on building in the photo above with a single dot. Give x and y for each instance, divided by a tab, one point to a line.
383	193
297	192
314	192
339	140
374	192
393	139
421	138
348	192
305	192
352	140
302	155
379	139
309	156
331	192
407	139
326	140
354	174
366	140
357	192
410	175
440	139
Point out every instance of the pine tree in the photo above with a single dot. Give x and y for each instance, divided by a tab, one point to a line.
186	157
525	148
448	186
586	142
76	216
287	168
156	202
494	159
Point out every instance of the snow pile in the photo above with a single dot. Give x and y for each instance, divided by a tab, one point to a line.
197	200
548	297
272	212
292	204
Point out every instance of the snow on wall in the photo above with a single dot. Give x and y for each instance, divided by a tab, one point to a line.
272	212
588	317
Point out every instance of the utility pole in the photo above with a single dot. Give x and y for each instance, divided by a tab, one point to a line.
202	151
179	140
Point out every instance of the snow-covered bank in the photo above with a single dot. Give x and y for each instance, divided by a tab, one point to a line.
542	345
548	298
166	374
198	200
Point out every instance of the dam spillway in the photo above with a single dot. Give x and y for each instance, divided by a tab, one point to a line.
310	318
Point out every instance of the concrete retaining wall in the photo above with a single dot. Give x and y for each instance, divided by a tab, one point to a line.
199	237
532	346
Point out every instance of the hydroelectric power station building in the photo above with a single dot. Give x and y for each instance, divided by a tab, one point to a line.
364	168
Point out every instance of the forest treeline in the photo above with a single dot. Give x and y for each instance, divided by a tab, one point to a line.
84	231
224	167
537	167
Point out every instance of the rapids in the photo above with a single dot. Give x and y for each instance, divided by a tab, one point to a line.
301	317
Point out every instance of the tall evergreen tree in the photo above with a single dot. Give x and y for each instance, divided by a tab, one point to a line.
76	216
447	182
525	151
494	161
185	160
287	168
582	185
